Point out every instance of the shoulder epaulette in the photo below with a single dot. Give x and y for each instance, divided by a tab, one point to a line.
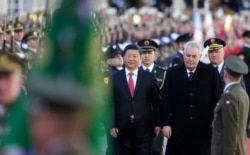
162	68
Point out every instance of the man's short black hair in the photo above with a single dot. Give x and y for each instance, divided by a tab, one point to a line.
131	47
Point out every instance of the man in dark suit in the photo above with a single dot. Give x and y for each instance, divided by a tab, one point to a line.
216	56
245	56
136	97
230	119
189	95
180	41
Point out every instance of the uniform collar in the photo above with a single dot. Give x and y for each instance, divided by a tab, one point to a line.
151	67
229	84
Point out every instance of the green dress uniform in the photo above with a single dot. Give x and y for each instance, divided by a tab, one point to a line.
157	144
230	117
160	74
148	45
11	63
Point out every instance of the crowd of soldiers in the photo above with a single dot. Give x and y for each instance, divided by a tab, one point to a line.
16	40
146	22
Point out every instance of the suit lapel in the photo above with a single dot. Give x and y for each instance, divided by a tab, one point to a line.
139	81
183	72
124	81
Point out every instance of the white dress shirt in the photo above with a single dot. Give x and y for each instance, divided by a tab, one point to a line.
151	67
220	66
134	76
188	71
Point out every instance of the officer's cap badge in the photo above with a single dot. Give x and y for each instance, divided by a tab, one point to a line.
146	42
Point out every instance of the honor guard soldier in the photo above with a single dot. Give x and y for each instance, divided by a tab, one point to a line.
67	112
7	41
114	60
32	42
231	112
12	90
148	48
18	36
18	33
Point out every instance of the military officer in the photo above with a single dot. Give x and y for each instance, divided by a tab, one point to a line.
32	42
114	60
62	111
31	39
12	81
231	112
13	43
113	57
148	48
8	30
18	33
216	56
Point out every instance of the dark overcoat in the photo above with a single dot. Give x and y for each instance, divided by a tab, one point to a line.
188	106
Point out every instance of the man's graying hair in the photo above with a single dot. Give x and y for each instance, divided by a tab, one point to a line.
191	45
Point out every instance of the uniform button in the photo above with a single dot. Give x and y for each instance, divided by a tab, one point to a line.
187	129
191	118
191	94
133	102
191	106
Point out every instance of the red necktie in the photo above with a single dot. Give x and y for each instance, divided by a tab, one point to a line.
131	84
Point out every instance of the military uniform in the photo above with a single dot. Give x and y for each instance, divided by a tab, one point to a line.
18	27
231	112
10	63
112	51
7	43
30	52
178	57
159	72
148	45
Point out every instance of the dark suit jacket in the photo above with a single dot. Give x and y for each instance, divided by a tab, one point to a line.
246	52
144	105
188	106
